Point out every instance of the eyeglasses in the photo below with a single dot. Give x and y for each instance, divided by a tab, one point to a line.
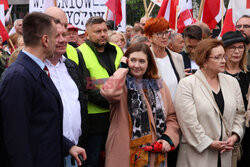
233	48
161	34
245	26
218	58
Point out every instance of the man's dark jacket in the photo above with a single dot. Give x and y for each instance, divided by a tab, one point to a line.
31	117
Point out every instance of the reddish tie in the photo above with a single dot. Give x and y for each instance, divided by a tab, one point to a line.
45	69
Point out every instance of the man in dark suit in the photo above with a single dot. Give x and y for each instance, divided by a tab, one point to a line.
30	105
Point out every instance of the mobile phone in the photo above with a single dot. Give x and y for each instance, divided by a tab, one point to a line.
193	71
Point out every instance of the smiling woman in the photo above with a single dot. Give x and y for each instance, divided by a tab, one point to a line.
142	112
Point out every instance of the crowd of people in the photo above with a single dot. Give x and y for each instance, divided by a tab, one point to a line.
149	96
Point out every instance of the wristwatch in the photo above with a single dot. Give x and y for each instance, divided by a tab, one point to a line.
123	65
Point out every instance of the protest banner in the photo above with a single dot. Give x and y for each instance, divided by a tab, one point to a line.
79	11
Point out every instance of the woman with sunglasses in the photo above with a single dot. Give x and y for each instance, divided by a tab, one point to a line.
236	66
209	109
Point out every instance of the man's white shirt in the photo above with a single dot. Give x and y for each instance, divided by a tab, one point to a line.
69	94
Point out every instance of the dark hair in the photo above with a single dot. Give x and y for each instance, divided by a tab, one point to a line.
203	50
154	25
152	71
193	32
94	20
35	25
110	25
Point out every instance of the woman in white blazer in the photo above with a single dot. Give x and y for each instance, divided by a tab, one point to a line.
210	110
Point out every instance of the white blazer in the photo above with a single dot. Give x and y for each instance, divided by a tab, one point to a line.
199	119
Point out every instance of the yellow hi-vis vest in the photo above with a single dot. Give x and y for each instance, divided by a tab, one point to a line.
72	54
97	71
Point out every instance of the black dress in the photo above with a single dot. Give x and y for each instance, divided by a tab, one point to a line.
220	102
243	79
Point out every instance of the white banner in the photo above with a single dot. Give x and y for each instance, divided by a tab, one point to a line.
79	11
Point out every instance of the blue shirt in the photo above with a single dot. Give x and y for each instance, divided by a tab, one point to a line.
35	59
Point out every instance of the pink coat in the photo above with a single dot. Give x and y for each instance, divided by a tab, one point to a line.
118	141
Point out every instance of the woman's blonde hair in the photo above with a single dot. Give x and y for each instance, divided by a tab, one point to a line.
243	61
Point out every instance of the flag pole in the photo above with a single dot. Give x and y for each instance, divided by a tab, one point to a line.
201	9
11	44
107	13
145	7
149	7
222	17
115	13
149	13
176	16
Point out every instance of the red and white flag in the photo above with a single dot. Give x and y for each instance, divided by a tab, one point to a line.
116	8
3	32
186	15
8	14
5	3
234	12
212	12
168	11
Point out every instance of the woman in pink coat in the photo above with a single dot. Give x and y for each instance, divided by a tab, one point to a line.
141	112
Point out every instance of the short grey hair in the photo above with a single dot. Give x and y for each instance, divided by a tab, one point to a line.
172	36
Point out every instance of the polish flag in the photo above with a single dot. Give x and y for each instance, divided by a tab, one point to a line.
186	15
212	12
234	12
168	11
7	16
115	7
5	3
3	32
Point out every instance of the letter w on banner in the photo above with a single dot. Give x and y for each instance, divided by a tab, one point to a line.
235	10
